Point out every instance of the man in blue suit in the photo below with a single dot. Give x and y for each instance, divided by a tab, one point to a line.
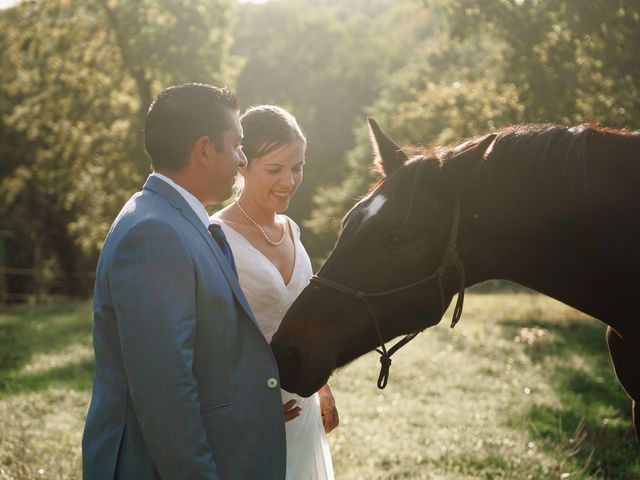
185	385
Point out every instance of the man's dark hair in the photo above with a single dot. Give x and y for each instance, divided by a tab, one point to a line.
179	115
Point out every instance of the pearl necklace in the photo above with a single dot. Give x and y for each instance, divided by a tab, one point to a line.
262	230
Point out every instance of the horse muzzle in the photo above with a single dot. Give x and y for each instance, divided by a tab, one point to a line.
294	365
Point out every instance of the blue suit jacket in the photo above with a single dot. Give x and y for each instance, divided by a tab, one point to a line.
185	385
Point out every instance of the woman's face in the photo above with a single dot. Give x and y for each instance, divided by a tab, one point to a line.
271	180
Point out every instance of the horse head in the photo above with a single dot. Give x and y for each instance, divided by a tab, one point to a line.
390	271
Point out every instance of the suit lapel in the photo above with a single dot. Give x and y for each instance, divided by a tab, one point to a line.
170	194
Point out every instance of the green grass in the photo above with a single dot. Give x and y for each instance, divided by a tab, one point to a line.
45	347
46	369
482	402
487	400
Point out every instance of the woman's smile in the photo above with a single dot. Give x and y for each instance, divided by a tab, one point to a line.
274	177
282	195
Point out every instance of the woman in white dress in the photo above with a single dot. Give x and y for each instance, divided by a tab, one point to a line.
273	267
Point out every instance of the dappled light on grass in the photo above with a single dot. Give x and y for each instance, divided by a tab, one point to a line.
46	345
71	354
40	434
46	366
532	336
469	402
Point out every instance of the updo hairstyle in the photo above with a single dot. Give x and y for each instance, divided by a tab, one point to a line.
267	128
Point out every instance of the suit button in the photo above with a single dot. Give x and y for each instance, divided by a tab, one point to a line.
272	383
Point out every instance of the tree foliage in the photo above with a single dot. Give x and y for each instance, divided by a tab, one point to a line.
79	77
498	62
325	61
573	61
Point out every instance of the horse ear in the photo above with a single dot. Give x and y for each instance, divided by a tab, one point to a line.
388	156
459	167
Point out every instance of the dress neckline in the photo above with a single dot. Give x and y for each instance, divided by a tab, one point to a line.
252	246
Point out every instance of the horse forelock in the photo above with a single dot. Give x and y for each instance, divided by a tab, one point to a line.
404	184
401	184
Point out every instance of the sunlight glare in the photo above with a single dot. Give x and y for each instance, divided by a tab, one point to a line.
8	3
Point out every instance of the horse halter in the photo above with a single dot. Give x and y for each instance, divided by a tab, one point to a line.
449	259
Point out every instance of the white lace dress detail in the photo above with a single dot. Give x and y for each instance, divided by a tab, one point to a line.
308	455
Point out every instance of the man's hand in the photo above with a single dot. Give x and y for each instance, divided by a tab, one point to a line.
328	409
290	410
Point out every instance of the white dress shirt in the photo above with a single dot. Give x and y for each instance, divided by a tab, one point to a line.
193	202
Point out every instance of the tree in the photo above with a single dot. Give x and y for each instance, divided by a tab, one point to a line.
497	62
446	91
324	60
572	61
80	77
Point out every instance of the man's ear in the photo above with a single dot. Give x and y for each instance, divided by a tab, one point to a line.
388	156
201	149
461	166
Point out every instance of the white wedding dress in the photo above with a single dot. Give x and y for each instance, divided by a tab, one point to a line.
308	455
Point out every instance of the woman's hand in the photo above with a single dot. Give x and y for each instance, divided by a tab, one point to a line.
328	409
290	410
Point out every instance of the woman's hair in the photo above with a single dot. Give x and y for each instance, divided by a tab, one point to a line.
267	128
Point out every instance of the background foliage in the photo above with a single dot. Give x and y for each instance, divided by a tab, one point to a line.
77	77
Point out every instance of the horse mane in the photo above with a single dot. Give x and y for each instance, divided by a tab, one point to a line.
556	157
553	156
530	143
550	153
546	152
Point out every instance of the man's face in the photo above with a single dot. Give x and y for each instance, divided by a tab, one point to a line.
225	163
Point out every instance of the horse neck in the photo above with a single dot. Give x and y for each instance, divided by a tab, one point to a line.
552	272
556	237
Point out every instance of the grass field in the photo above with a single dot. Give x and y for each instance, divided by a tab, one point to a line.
522	388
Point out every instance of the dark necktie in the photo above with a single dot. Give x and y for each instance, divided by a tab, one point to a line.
221	239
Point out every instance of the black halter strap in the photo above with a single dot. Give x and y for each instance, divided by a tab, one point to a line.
449	259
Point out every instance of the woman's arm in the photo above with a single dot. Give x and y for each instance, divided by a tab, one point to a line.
328	408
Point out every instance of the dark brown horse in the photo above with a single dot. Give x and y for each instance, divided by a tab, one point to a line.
555	209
